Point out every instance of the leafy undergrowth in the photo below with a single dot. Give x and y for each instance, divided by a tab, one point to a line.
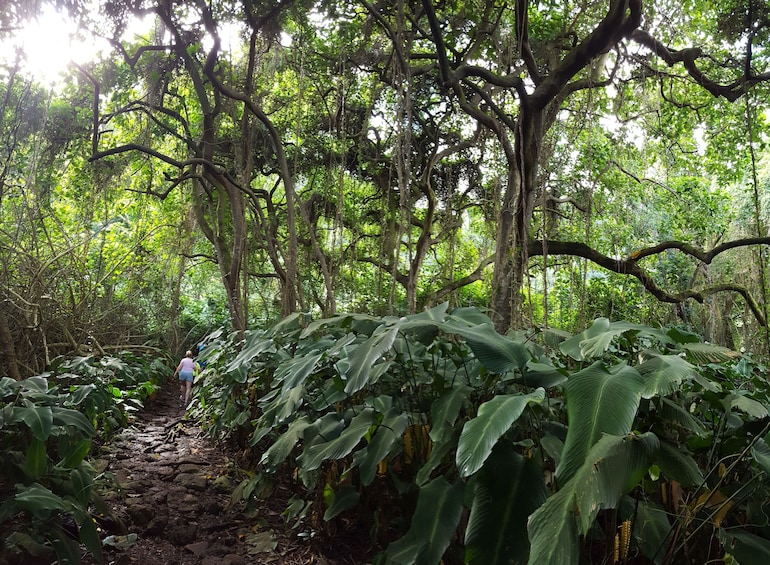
445	441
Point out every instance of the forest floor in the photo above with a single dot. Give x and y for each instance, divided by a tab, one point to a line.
170	502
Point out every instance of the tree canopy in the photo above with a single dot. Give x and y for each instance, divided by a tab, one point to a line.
547	161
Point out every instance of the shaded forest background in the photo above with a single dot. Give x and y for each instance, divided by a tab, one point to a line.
227	164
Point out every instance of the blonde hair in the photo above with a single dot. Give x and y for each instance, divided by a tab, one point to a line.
189	353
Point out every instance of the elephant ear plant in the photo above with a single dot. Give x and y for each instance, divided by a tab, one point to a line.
447	441
48	425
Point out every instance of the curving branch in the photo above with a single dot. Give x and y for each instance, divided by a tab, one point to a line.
630	266
689	59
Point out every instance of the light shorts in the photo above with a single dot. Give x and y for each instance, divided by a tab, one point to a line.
186	376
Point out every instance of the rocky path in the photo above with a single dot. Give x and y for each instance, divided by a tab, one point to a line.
170	499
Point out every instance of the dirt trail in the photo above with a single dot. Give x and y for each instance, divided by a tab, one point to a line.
170	500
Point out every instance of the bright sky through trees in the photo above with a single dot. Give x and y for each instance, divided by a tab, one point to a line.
48	44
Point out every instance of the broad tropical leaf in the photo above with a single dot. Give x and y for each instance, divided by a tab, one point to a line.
388	433
541	375
613	467
678	465
74	419
38	418
598	402
445	410
747	405
439	508
651	527
705	353
745	547
507	490
357	368
339	447
663	374
292	373
345	498
498	353
36	461
761	453
281	447
40	501
480	434
673	412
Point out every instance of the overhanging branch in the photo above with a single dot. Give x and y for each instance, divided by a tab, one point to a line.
630	266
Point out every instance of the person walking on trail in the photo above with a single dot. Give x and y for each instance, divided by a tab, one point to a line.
185	370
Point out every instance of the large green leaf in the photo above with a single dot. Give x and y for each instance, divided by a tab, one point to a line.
88	533
507	490
663	374
590	342
36	461
613	466
543	375
705	353
445	410
339	447
40	501
761	453
598	402
388	433
81	486
345	498
673	412
439	508
482	432
38	418
281	448
292	373
745	547
73	419
678	465
75	455
651	527
498	353
357	368
747	405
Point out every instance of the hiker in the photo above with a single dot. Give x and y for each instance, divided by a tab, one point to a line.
185	370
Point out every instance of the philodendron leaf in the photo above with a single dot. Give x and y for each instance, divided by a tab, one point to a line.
663	374
38	418
73	419
591	341
678	465
598	402
498	353
345	498
357	368
293	372
339	447
705	353
761	453
493	420
40	501
747	405
612	468
36	461
439	508
744	546
282	447
507	490
388	433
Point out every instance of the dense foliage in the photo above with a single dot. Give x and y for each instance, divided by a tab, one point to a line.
50	427
441	439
